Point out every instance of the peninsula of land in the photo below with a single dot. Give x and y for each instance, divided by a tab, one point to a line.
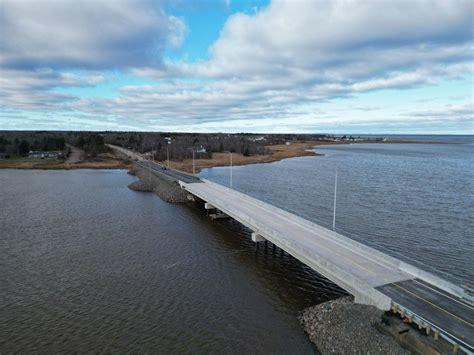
91	150
274	153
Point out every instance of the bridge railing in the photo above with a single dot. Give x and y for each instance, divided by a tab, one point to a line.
448	282
362	291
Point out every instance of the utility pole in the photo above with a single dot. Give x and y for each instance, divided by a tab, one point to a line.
152	155
149	171
194	166
168	156
230	169
334	209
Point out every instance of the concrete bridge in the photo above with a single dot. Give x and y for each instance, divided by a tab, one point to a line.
441	308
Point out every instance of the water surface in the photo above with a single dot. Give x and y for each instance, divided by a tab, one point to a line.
413	201
89	265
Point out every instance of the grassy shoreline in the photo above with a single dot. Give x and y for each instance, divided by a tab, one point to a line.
116	161
102	161
278	152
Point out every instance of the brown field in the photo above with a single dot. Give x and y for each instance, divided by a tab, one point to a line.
116	161
278	152
102	161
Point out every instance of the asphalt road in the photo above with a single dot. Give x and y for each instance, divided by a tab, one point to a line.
175	174
444	310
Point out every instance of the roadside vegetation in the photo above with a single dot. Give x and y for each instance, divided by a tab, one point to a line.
56	149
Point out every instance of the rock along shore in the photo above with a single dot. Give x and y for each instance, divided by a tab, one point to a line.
343	327
165	187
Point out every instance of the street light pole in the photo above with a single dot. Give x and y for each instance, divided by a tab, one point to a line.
149	171
194	166
168	156
334	209
230	169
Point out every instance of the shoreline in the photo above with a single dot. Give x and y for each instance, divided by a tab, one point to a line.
278	152
103	161
340	326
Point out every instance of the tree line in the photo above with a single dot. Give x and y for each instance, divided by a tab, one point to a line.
177	145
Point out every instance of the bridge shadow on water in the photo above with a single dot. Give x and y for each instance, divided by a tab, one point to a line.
281	275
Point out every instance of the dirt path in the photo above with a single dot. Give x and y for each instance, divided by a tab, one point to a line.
75	156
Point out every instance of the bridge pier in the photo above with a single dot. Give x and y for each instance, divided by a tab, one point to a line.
256	238
208	206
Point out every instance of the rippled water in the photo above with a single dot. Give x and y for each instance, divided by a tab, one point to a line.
414	201
89	265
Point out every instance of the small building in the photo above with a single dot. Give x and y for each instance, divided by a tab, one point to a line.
201	149
35	154
44	154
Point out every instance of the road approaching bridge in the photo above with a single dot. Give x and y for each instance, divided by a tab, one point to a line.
441	308
126	152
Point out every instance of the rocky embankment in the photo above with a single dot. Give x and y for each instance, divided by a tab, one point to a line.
165	187
343	327
140	186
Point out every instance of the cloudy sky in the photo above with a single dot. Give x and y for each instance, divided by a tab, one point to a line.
341	66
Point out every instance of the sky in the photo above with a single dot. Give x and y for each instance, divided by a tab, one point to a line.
266	66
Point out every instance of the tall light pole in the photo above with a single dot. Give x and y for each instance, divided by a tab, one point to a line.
230	169
149	171
168	157
334	209
194	165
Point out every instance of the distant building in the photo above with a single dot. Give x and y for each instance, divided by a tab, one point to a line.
201	149
44	154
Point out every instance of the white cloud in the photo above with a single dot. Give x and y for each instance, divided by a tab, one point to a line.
348	39
85	34
28	90
270	70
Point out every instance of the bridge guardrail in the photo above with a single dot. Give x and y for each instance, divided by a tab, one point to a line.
448	286
365	292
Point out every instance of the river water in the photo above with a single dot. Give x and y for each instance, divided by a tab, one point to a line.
413	201
89	265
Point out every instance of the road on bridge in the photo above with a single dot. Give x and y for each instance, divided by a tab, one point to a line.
353	266
371	276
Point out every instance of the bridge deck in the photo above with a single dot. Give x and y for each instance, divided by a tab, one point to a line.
358	269
347	263
174	174
323	249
